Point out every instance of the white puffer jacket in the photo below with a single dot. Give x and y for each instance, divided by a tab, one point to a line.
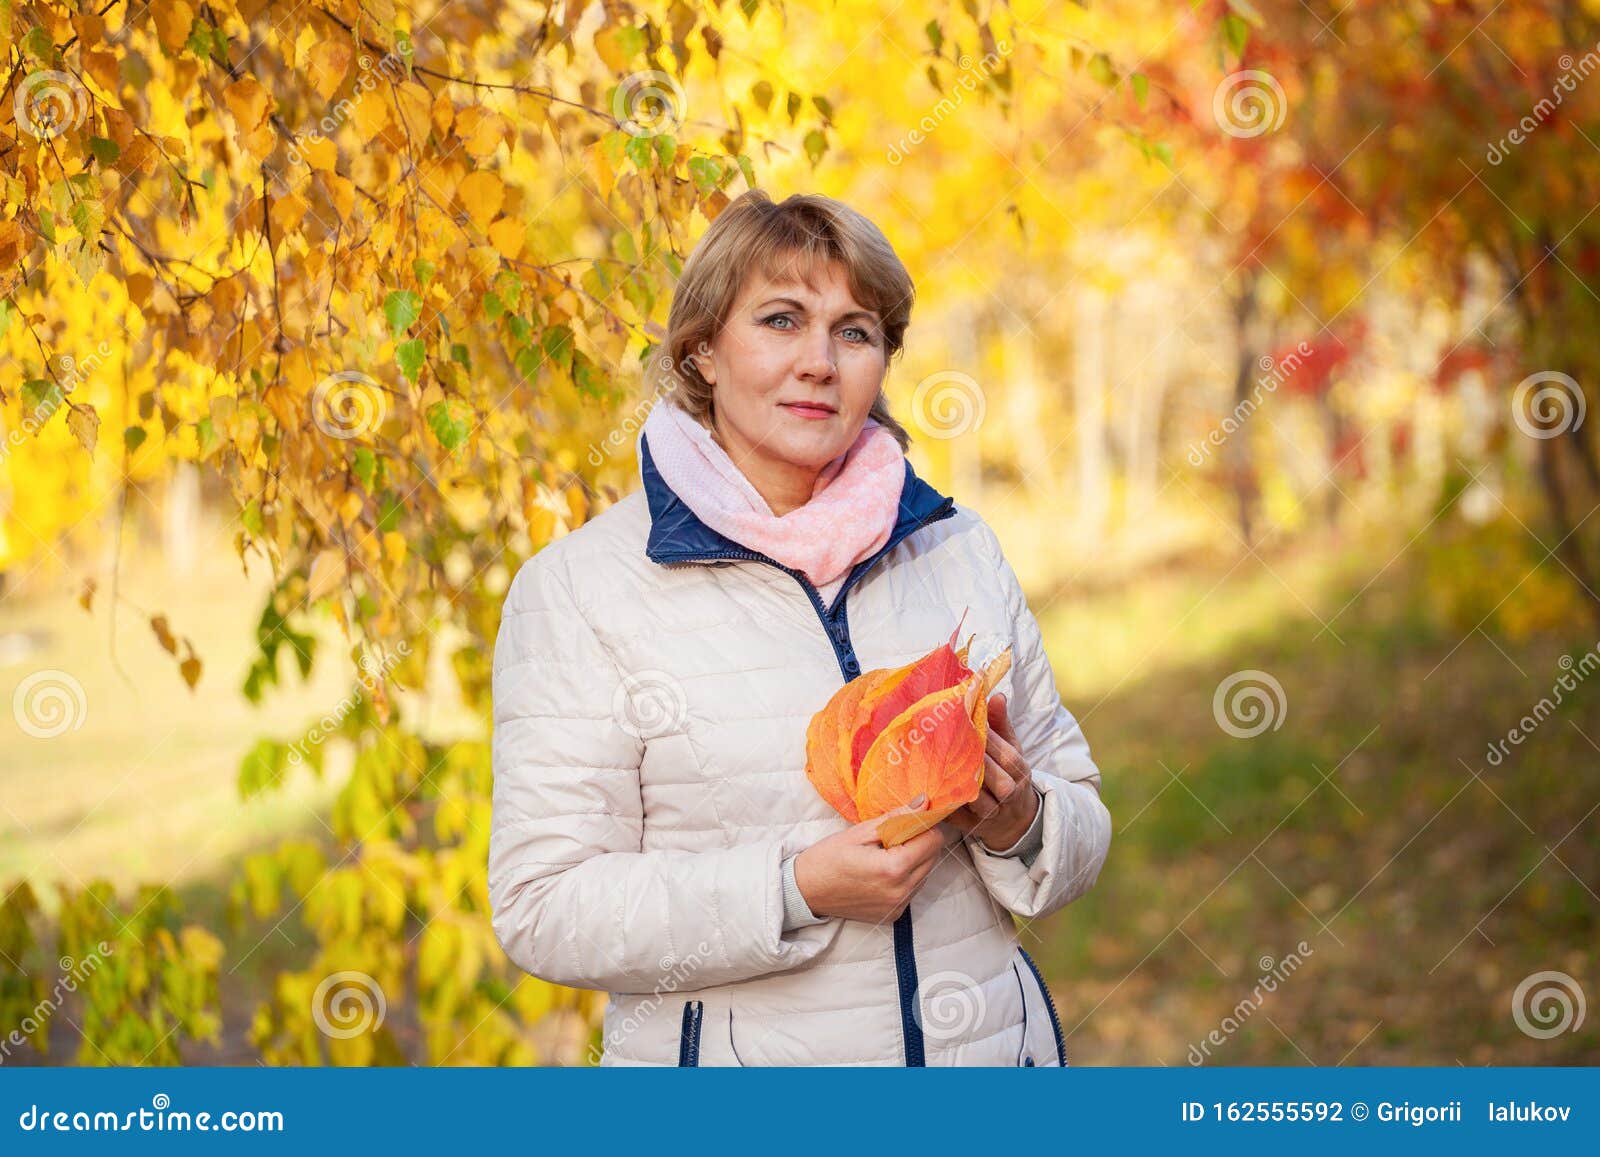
652	685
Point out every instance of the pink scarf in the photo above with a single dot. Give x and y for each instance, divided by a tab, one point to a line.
850	515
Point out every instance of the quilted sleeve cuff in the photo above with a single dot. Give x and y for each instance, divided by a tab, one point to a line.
796	912
1031	842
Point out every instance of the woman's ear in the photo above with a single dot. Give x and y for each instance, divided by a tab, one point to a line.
704	365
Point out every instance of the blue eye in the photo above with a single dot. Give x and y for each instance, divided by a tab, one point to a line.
776	317
865	336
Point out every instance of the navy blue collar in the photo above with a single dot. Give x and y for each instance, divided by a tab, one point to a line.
678	535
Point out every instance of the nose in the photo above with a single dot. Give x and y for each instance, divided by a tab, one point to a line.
816	357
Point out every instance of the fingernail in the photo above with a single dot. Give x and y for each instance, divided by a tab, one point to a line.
919	801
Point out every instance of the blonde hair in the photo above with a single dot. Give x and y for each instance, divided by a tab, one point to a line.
776	240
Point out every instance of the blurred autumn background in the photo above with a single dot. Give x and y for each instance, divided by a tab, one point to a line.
1262	332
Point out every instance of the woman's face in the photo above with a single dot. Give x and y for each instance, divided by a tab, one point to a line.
785	343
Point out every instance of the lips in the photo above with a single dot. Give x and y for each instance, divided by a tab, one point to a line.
810	409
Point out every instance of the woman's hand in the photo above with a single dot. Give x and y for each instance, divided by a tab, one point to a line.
851	874
1006	803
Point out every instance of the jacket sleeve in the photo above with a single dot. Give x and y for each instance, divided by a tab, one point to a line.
575	899
1075	823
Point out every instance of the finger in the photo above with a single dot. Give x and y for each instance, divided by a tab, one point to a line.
1000	716
999	780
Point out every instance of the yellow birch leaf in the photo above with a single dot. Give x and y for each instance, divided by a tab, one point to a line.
507	235
327	63
482	194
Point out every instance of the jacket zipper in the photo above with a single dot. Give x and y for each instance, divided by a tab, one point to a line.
689	1033
1049	1003
905	954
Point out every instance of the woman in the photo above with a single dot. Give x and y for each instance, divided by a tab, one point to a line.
655	834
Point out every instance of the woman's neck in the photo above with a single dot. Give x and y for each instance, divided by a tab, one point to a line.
784	485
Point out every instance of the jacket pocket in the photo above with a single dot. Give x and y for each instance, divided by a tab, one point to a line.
1030	1057
694	1013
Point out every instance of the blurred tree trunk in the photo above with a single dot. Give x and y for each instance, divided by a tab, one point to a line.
1089	398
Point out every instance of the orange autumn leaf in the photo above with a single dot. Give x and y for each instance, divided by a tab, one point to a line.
895	733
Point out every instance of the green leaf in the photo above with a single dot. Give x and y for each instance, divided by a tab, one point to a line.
1236	32
7	311
402	308
761	94
935	36
557	343
792	106
364	465
1141	87
641	153
450	431
748	170
105	149
816	143
493	307
409	356
41	398
666	149
424	270
1101	71
705	173
824	106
